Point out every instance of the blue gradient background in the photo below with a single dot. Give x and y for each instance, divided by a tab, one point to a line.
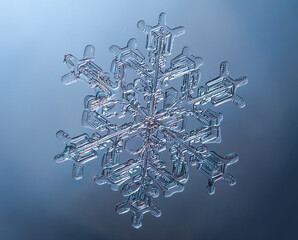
40	200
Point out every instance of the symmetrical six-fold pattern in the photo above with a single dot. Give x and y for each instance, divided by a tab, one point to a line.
153	115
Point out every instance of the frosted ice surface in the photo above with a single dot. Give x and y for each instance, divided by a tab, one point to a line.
137	112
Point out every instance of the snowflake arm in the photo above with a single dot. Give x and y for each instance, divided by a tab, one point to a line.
221	89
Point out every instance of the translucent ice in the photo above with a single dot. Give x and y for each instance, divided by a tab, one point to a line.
138	112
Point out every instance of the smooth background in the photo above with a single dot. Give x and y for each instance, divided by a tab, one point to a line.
40	200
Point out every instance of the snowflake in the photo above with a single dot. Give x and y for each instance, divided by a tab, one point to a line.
138	114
